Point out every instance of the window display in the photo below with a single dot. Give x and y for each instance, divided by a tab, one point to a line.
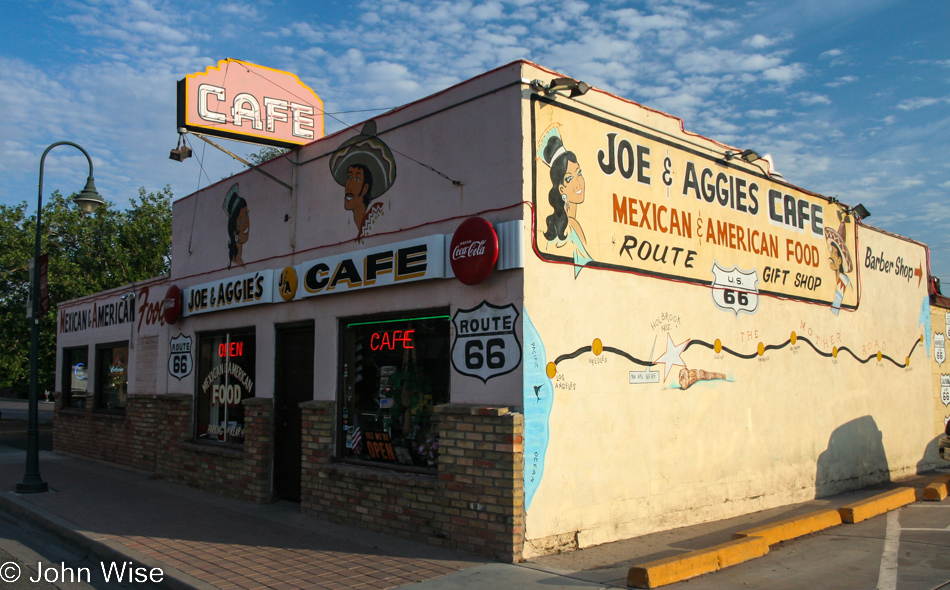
75	377
112	376
395	371
226	364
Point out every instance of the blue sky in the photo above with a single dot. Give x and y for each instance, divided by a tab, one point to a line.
851	97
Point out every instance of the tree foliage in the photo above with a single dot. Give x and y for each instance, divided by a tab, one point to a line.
264	154
87	254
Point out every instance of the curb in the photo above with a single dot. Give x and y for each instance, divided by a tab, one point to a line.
796	526
755	542
937	491
703	561
865	509
103	547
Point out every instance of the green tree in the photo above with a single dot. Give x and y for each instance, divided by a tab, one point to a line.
87	254
264	154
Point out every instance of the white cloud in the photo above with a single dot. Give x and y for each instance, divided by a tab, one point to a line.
786	74
912	104
810	98
842	81
762	114
758	41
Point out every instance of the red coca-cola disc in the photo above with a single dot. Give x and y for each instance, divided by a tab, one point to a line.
474	250
171	306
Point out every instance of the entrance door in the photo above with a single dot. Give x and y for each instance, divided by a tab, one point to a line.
293	383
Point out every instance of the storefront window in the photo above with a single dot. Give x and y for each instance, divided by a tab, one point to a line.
75	373
112	376
395	370
225	378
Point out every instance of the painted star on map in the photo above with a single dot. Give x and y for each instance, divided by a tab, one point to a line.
673	355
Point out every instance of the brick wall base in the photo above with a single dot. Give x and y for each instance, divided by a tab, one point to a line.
155	434
474	502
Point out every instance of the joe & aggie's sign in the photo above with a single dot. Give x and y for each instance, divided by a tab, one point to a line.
657	206
231	293
243	101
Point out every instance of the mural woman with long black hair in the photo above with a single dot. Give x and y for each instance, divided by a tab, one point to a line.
567	192
239	224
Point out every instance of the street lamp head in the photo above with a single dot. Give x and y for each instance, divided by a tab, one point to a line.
89	199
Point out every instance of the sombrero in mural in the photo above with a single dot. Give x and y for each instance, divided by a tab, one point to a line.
367	150
836	238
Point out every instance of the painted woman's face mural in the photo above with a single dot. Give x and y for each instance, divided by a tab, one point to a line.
573	184
239	225
365	167
568	189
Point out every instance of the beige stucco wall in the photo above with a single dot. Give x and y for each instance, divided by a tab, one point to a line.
940	327
814	413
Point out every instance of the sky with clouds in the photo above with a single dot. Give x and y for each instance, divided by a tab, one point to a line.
851	97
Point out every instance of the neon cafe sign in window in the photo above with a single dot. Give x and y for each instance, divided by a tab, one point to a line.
391	340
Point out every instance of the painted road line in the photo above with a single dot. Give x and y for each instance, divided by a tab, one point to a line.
936	491
695	563
796	526
887	578
879	504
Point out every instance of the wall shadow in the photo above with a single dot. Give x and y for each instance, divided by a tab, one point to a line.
854	459
931	458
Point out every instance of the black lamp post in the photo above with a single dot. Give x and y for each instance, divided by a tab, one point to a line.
88	200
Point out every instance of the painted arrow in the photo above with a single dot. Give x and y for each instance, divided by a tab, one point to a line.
918	272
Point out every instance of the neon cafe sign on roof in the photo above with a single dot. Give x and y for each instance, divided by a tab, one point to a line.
246	102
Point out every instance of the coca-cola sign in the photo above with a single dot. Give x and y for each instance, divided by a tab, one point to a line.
474	250
171	306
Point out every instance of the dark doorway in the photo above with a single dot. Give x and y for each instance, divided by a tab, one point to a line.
293	383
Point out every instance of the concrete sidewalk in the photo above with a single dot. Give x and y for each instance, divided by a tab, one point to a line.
202	540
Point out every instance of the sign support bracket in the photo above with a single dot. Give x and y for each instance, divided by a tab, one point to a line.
243	161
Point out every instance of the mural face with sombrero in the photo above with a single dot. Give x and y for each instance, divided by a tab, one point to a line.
365	167
840	260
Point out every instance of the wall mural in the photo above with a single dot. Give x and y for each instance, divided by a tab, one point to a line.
625	199
365	167
538	401
673	357
629	200
566	194
239	225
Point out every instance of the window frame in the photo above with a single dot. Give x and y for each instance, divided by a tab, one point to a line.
98	402
341	452
68	368
202	337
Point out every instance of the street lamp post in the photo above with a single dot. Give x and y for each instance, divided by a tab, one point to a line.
88	200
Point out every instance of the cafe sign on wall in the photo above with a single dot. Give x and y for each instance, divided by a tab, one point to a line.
392	264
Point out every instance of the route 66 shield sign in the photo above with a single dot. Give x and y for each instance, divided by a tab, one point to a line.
940	348
180	361
735	290
945	389
485	344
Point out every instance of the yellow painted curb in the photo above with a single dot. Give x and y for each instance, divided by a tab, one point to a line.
695	563
796	526
936	491
878	504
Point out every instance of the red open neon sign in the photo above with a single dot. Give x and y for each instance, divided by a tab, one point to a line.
391	340
232	349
